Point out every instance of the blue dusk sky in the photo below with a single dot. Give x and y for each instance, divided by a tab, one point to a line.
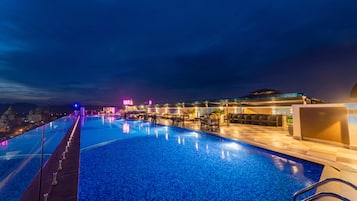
101	51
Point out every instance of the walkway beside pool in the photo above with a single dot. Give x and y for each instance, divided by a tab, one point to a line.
64	163
339	162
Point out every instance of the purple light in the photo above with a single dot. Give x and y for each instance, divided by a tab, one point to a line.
76	105
4	144
150	102
128	102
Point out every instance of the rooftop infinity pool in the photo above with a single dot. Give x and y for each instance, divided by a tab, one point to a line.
136	160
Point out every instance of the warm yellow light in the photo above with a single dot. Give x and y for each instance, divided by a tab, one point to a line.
294	169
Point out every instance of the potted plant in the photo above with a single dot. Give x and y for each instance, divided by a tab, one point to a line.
289	121
191	113
220	114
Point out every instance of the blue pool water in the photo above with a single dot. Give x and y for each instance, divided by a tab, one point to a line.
133	160
20	157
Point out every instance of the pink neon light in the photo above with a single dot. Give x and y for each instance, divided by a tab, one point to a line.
4	144
127	102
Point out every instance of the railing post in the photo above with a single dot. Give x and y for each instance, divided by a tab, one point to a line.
320	183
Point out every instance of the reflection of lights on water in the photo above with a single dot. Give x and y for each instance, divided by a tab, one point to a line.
82	122
4	144
126	128
281	163
166	128
110	119
157	133
294	169
278	163
196	134
178	139
51	125
148	130
233	146
309	183
196	146
103	120
183	141
166	136
223	156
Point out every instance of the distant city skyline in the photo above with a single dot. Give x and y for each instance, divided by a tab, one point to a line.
101	52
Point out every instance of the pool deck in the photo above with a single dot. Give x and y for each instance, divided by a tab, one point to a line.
338	161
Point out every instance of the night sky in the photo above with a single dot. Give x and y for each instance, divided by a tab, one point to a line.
101	51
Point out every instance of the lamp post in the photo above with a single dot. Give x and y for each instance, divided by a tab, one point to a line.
206	104
227	113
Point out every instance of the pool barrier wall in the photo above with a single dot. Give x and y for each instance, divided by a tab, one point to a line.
58	179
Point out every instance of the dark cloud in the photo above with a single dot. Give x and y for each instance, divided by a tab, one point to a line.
103	51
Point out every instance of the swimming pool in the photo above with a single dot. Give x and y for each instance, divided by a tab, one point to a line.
134	160
20	157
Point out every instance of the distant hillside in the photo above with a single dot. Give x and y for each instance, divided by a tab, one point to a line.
60	108
69	108
3	108
21	108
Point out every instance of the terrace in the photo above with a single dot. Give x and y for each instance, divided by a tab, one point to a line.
339	159
339	162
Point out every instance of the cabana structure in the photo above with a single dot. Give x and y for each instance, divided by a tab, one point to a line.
256	107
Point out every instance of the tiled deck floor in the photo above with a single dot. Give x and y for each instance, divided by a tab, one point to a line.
339	162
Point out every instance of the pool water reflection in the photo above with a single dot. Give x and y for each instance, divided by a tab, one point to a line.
134	160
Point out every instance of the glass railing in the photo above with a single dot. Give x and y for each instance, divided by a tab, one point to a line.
23	156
